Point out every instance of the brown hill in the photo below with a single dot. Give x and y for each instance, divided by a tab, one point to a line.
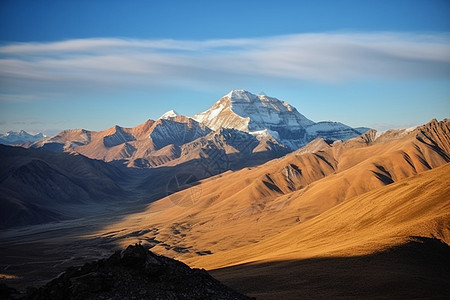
382	244
373	221
241	208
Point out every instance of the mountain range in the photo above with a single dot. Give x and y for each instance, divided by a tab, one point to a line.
254	203
20	137
378	199
241	128
269	202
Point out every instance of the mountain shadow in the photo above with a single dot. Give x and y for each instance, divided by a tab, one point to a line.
419	268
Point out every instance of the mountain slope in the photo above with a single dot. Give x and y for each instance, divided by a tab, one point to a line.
373	221
39	186
256	203
418	269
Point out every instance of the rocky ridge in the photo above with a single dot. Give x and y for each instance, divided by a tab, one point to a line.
134	273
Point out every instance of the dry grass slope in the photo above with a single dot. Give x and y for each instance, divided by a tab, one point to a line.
374	221
254	206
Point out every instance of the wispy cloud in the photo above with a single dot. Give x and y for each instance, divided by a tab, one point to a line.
27	122
325	57
16	97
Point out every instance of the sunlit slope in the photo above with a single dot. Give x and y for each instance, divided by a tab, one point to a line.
384	217
244	207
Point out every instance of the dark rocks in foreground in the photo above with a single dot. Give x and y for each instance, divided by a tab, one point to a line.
134	273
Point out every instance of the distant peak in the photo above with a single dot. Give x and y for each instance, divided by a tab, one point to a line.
240	95
19	133
170	114
19	137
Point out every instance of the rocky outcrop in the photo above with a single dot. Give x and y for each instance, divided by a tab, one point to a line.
65	140
117	137
134	273
177	131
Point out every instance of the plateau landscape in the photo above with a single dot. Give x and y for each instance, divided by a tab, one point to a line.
138	160
234	200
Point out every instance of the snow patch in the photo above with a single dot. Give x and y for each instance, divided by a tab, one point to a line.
265	133
410	129
378	134
213	113
170	114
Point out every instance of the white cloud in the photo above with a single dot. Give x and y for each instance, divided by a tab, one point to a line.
326	57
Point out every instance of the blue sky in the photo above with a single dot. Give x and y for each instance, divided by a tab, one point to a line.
94	64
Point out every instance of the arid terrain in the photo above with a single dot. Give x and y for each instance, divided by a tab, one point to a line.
224	150
368	217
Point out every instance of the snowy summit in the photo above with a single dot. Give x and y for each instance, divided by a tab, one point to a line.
170	114
264	115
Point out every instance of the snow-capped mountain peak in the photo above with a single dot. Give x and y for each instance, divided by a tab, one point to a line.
170	114
242	110
240	95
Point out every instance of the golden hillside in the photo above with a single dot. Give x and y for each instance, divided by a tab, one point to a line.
242	208
374	221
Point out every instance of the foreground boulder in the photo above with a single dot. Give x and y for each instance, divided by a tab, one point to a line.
134	273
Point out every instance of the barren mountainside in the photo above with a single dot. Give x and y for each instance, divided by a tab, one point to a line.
256	203
39	186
